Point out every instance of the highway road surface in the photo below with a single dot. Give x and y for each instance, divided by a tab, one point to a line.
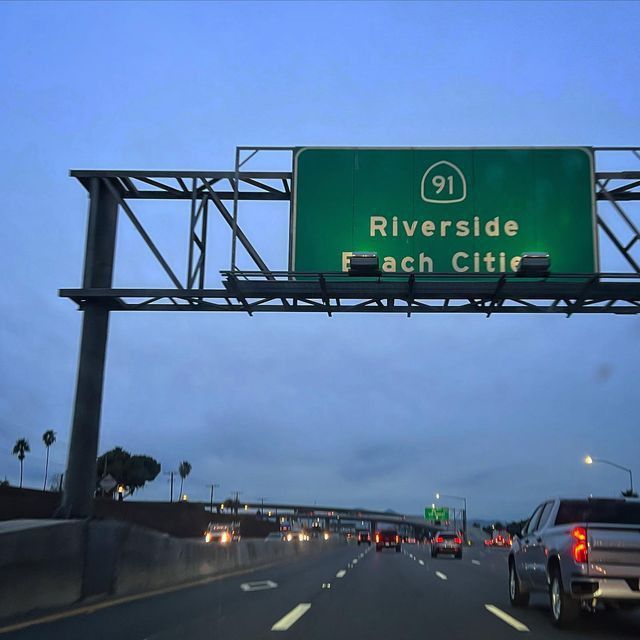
350	592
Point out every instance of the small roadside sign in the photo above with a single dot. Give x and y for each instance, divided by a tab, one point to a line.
108	483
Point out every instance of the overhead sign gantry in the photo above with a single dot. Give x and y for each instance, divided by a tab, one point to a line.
430	210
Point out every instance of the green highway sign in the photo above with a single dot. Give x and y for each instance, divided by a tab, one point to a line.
436	513
443	210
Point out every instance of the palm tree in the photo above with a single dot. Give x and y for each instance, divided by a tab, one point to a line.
184	470
20	449
48	437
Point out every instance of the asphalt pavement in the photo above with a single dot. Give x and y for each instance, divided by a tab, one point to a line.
350	592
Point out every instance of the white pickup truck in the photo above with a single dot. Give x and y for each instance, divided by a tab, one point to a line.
582	552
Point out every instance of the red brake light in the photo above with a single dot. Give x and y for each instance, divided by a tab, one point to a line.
580	549
579	533
458	540
439	539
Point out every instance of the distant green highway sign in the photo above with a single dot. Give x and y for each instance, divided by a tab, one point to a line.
444	210
437	513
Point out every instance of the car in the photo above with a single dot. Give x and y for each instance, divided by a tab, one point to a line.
388	539
297	536
501	541
222	533
498	541
447	542
274	536
364	537
582	553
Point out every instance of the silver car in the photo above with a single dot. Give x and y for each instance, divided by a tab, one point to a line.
582	552
448	542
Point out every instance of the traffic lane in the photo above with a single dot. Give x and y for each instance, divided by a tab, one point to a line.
219	608
486	583
393	595
252	614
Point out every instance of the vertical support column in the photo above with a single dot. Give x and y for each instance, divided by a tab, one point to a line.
234	226
464	523
80	477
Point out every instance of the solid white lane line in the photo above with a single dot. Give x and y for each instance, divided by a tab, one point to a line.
260	585
505	617
341	574
441	575
475	562
421	562
292	617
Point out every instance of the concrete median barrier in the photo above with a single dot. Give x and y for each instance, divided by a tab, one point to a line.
41	565
52	564
150	560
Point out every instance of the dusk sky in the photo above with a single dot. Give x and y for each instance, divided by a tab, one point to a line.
378	411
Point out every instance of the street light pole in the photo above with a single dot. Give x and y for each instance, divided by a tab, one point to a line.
170	474
464	512
590	460
213	486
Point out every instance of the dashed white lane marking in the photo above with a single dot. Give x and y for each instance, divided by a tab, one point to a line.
341	574
259	585
362	555
355	561
441	575
475	562
505	617
421	562
286	622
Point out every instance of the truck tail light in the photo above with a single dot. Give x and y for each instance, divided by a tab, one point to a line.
377	537
580	551
458	540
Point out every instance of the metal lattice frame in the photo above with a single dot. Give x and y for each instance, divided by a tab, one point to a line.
207	192
265	290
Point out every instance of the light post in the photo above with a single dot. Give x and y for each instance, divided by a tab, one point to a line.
213	487
464	512
170	474
590	460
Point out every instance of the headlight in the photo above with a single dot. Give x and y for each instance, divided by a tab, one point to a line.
224	538
207	537
289	537
326	536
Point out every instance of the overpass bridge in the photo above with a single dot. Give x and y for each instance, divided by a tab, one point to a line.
414	524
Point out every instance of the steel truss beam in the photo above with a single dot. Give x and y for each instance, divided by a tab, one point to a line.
423	293
270	291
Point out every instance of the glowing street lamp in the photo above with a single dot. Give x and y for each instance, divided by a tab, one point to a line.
590	460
